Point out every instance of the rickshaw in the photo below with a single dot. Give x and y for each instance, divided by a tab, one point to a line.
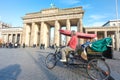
92	58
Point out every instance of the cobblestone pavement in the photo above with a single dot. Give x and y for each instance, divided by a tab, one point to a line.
114	65
29	64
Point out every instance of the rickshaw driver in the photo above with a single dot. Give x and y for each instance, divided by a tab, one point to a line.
70	47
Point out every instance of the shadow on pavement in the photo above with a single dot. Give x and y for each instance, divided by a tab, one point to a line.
10	72
49	75
75	69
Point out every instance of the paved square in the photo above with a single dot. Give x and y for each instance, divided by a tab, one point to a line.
29	64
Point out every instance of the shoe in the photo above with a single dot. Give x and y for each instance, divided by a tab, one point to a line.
63	60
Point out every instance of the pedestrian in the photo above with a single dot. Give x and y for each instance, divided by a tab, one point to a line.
44	46
23	45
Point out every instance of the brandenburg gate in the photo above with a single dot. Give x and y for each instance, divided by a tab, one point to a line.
36	26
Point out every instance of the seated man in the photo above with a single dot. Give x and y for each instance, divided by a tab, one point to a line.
71	46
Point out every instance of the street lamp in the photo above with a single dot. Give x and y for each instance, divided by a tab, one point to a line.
117	25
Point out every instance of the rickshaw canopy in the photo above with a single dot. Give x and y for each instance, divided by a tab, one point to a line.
79	34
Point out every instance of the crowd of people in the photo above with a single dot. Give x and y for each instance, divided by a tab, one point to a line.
10	45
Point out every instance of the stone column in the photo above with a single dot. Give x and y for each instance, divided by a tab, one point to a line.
34	34
96	32
56	33
86	31
44	34
7	37
38	36
16	38
26	32
68	27
80	29
10	38
113	41
13	40
116	41
105	34
48	35
21	38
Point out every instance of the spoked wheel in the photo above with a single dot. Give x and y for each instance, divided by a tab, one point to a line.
98	69
50	61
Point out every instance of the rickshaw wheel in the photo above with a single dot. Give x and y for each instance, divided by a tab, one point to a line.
98	69
50	61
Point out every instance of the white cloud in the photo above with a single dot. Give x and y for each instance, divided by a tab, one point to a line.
98	23
70	2
94	24
97	17
87	6
95	20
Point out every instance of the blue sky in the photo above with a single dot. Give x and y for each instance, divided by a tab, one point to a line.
97	12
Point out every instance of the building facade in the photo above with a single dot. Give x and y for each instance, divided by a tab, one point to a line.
12	35
37	25
112	23
103	32
9	34
2	26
